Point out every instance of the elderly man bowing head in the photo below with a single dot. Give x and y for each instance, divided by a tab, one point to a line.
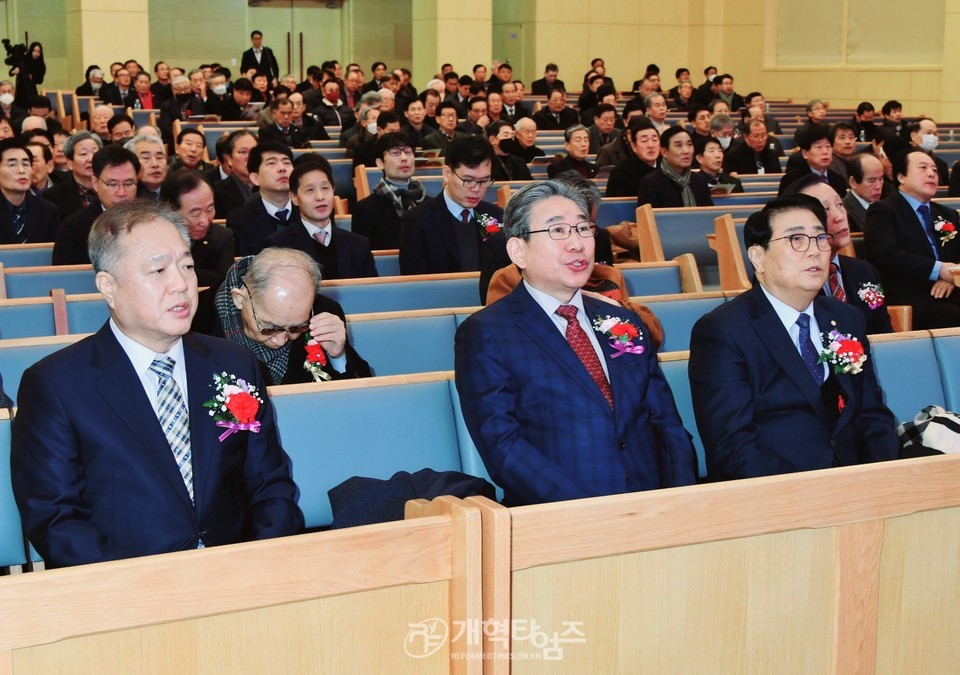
269	304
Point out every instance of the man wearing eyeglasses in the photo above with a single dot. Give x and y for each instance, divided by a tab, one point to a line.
447	132
115	172
558	406
447	233
764	402
377	217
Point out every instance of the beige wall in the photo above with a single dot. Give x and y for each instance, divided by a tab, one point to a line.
455	32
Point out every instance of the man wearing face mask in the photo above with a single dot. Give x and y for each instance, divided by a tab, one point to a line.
216	94
924	136
93	83
7	109
331	111
180	107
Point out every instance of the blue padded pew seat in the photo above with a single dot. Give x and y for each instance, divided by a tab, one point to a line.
390	294
674	366
373	428
615	210
34	282
652	279
412	342
946	344
86	313
677	314
12	551
18	355
26	317
908	371
388	264
25	255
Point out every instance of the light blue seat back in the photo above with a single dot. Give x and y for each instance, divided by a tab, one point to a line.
403	295
15	256
909	375
372	431
948	357
678	317
470	458
15	360
39	284
343	179
686	232
68	99
11	534
743	198
652	280
407	345
20	321
87	316
387	265
676	374
615	212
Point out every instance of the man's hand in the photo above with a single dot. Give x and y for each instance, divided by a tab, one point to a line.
942	289
330	332
946	273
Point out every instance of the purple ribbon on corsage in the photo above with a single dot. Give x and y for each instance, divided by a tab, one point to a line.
234	427
621	348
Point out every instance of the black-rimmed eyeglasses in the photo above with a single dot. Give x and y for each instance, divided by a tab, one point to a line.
563	230
801	242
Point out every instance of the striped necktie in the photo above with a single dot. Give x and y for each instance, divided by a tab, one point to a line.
174	418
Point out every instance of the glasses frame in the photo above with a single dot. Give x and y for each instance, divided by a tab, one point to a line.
471	183
592	227
827	238
298	330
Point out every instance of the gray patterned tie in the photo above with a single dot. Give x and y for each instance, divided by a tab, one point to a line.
174	418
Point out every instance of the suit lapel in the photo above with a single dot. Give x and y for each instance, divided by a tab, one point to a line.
828	321
774	337
543	333
121	388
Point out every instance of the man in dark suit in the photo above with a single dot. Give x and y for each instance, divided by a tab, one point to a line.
603	130
708	154
674	184
115	172
282	129
644	157
447	133
753	155
341	253
210	245
850	280
123	93
260	58
271	210
446	233
183	105
924	136
548	82
912	241
233	192
506	166
817	153
377	217
513	110
108	460
866	187
76	190
24	218
553	414
765	404
556	116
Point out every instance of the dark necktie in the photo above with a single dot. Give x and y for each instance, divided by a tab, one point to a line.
823	178
807	350
556	117
581	345
20	222
924	212
282	217
836	288
465	216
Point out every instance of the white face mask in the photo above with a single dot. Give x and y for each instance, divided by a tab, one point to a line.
928	141
96	85
220	89
724	141
710	78
372	128
6	99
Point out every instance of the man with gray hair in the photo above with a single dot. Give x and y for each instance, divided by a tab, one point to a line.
152	155
562	392
114	452
656	106
76	190
184	104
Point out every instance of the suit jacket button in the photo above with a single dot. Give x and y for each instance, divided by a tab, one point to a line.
833	443
622	446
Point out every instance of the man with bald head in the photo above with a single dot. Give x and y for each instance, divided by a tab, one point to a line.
99	120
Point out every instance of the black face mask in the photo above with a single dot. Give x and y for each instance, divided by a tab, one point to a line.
184	98
510	146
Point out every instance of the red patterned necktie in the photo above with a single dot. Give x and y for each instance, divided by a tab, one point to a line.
584	350
836	288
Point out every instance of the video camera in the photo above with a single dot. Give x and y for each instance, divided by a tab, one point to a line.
15	53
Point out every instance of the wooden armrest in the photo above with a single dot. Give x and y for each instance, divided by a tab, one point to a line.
901	316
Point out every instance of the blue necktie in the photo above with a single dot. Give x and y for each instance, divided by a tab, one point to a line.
807	351
924	212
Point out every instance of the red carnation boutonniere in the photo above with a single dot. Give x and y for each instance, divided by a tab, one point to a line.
488	225
844	352
235	405
621	334
316	360
871	294
946	229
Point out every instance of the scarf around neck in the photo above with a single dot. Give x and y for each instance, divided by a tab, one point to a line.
403	199
682	181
